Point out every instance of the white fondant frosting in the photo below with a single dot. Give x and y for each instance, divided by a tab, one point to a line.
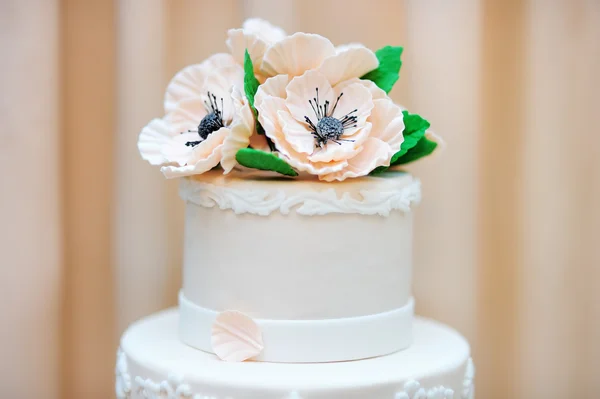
436	366
257	252
295	267
307	341
255	194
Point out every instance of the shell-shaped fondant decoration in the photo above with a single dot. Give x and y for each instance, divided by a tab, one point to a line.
236	337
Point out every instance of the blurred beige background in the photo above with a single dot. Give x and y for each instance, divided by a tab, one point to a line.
507	237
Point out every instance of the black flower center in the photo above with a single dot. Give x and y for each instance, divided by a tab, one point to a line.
328	127
212	122
209	124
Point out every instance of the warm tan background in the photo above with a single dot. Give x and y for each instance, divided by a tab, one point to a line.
507	237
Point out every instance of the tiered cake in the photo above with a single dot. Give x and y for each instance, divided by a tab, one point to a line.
298	232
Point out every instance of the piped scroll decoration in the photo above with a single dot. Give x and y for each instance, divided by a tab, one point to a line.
264	202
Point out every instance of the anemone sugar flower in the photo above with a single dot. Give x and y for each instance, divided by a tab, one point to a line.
207	120
322	118
256	36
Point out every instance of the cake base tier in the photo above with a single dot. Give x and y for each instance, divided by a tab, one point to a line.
153	362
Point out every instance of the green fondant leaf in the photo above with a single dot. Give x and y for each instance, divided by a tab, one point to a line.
256	159
423	148
414	129
250	88
250	82
387	73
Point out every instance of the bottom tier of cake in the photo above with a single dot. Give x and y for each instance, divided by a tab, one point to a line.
153	363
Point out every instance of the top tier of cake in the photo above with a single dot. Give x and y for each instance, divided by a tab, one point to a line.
283	251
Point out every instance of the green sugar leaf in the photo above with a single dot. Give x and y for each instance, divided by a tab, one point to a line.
387	73
250	82
414	129
256	159
423	148
250	88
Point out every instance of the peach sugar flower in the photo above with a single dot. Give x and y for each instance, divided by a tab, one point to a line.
316	111
207	115
322	118
207	119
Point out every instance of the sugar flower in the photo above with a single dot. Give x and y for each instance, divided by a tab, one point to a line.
322	110
207	119
322	118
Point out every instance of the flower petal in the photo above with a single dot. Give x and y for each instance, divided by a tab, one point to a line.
187	115
267	109
376	92
353	62
268	118
176	151
235	337
274	86
255	36
203	157
374	153
388	123
296	54
296	134
348	46
347	148
300	161
188	82
242	129
264	30
220	83
171	172
208	146
355	101
238	41
302	90
153	137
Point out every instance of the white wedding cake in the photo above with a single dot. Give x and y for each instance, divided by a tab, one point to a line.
298	232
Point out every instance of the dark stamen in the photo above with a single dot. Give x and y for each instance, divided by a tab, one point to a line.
317	100
336	103
328	127
212	122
